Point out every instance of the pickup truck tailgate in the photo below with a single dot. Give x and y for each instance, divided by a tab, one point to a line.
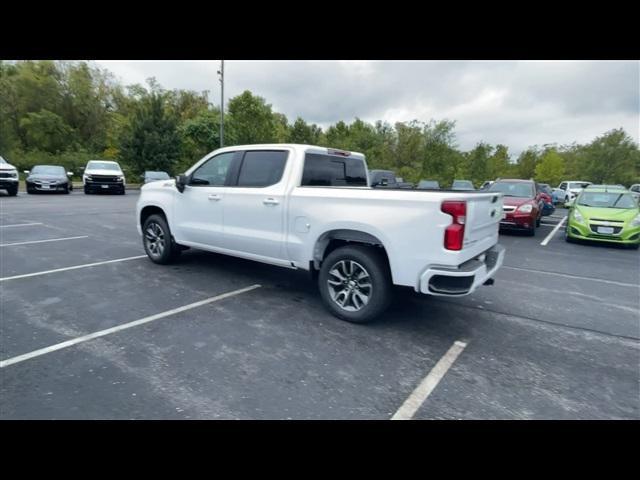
484	212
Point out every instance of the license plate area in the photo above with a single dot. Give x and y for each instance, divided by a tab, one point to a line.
105	186
605	230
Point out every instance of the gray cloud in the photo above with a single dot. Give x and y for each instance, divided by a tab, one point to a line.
515	103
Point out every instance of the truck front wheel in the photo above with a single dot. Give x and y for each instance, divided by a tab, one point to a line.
157	240
355	283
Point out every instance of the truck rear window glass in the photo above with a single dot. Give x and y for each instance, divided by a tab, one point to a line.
261	168
331	171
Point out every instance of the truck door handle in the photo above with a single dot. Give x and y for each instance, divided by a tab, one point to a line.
214	196
270	201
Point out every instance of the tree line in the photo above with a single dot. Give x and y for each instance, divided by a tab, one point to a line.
67	113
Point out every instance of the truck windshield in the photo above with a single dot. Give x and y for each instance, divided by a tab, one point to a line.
103	166
157	175
607	200
462	185
513	189
428	184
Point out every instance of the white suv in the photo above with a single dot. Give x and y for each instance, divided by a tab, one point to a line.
8	177
571	189
103	176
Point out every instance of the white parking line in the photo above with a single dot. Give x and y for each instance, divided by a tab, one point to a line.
429	383
566	275
20	225
42	241
108	331
553	232
86	265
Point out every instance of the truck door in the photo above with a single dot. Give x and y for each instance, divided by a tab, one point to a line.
198	211
255	205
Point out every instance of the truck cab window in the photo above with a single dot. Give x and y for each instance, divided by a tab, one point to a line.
262	168
333	171
214	171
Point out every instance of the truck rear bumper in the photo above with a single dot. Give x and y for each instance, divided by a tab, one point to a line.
463	279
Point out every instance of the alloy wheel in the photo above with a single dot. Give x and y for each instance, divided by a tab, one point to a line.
154	238
349	285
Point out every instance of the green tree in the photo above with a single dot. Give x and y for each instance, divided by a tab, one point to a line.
409	151
47	131
612	158
550	169
440	158
152	141
200	135
527	162
301	132
499	164
478	164
280	128
250	120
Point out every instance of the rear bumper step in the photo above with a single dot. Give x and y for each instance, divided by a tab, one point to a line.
464	279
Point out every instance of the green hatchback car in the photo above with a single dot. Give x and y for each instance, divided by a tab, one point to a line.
605	214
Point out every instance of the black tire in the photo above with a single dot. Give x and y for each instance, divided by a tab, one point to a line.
87	191
538	221
122	192
67	190
12	191
567	238
157	240
532	231
368	260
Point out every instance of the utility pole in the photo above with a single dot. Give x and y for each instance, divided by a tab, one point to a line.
221	73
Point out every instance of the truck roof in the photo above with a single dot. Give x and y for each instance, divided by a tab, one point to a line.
296	146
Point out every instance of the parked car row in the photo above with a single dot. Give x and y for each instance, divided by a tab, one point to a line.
97	176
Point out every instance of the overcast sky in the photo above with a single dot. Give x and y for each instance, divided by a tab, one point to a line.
518	104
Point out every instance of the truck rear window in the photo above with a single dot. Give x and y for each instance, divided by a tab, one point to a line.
332	171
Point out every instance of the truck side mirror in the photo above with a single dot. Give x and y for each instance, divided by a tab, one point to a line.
181	182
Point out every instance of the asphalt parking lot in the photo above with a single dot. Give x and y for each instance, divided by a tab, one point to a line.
556	337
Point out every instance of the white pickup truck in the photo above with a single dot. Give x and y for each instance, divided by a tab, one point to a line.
312	208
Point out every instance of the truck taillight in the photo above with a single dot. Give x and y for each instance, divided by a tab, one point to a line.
454	233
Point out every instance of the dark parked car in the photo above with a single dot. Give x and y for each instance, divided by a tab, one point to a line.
462	185
386	179
428	185
152	176
48	178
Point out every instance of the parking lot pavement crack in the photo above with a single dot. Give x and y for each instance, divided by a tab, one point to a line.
546	322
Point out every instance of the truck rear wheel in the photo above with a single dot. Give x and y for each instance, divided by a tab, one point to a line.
157	240
355	283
